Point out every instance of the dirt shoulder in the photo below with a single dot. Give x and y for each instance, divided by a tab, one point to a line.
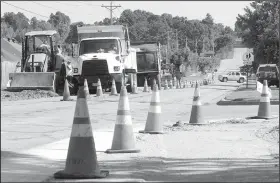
223	151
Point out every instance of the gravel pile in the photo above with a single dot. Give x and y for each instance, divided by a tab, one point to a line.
181	126
26	95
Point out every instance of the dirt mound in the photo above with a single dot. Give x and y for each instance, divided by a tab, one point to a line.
26	95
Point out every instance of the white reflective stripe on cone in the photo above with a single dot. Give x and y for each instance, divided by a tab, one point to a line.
81	130
123	103
155	109
265	99
197	102
124	120
81	110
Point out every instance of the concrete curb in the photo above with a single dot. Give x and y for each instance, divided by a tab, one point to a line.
248	102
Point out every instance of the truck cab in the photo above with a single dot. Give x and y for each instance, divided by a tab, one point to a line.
104	53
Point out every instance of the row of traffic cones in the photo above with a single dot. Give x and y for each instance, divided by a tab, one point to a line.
81	161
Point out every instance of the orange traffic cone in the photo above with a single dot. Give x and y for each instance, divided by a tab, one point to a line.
178	85
170	84
99	91
66	92
264	105
165	85
196	116
113	88
81	162
134	88
86	89
174	82
123	139
153	123
185	84
146	89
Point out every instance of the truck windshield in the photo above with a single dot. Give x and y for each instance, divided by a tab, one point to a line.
99	46
146	62
267	69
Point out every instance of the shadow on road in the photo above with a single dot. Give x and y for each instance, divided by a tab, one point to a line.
21	167
16	167
168	169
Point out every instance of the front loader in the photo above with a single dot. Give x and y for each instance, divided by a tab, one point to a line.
39	67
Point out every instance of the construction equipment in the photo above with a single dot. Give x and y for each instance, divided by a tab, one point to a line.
40	68
148	62
104	52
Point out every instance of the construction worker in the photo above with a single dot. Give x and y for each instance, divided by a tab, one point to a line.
59	59
112	49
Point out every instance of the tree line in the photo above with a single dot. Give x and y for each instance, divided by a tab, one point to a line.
183	41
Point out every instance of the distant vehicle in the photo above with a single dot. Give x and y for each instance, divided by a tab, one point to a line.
232	76
269	72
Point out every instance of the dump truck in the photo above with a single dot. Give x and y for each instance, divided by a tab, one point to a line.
148	60
38	68
104	52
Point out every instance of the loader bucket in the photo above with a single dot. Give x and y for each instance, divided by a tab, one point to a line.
31	81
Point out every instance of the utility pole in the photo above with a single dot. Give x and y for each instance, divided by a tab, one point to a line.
111	8
177	44
167	55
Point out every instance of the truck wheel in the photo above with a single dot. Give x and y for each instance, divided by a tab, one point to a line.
118	86
129	88
225	79
241	80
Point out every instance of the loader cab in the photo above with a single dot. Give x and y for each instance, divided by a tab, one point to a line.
38	51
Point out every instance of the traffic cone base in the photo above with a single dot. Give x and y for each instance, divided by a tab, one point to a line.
62	175
81	161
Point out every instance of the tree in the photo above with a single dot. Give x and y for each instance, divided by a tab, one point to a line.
61	23
73	33
259	30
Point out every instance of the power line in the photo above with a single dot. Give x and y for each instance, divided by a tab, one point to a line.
49	7
24	9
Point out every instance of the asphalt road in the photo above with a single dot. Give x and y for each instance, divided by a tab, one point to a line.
31	123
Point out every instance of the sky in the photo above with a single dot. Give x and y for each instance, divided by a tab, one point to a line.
224	12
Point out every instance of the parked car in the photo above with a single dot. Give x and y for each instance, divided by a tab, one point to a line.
232	76
269	72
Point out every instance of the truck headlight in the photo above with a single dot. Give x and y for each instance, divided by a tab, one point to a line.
75	70
116	68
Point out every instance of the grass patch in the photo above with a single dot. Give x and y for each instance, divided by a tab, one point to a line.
250	93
